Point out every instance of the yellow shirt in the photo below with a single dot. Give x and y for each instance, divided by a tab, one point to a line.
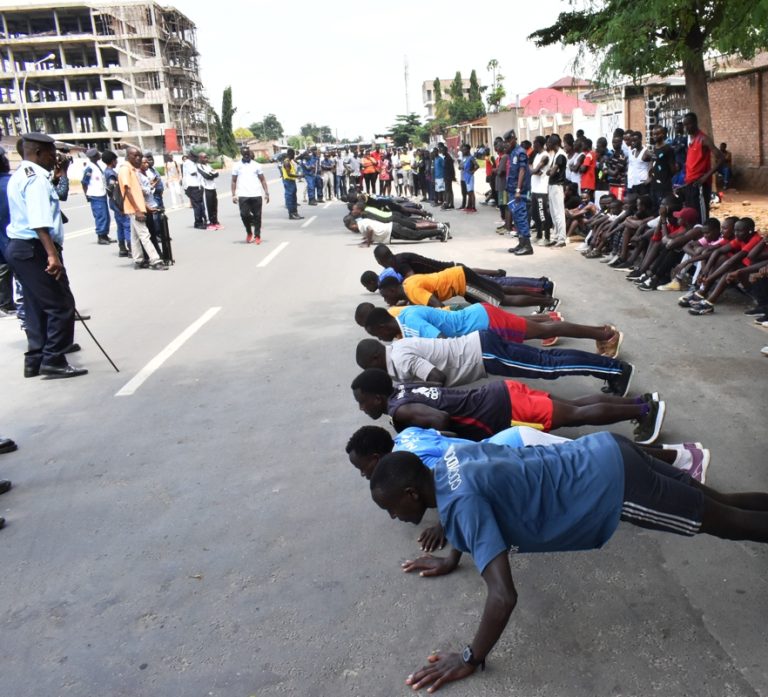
443	284
127	178
289	172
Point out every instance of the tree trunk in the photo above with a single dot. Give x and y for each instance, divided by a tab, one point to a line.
696	90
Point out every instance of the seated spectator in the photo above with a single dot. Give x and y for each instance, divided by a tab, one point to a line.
748	249
696	251
577	219
646	242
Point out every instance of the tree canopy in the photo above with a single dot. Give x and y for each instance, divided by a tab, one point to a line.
317	134
660	36
267	129
408	129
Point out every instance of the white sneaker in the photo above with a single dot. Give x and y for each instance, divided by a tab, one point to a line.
610	259
583	247
764	350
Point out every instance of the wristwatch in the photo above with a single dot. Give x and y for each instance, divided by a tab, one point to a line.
469	658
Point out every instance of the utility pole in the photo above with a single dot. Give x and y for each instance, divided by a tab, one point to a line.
405	64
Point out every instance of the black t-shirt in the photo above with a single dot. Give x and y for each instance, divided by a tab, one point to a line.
562	162
616	169
407	262
662	168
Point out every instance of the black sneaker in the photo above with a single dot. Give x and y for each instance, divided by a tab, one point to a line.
756	310
619	385
649	426
633	275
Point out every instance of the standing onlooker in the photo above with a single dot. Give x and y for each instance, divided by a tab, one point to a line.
575	158
209	176
725	170
438	167
289	174
680	146
7	306
518	186
134	205
468	168
662	167
342	170
248	188
327	170
540	192
385	175
406	162
96	194
172	178
698	166
122	221
638	166
616	168
35	238
588	169
311	167
193	188
369	166
449	173
555	190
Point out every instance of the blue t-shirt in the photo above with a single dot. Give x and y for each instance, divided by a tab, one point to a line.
431	322
565	497
430	445
390	272
518	159
439	167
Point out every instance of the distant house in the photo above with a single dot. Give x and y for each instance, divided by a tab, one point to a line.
428	94
554	110
574	86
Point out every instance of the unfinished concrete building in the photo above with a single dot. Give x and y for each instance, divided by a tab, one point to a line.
102	75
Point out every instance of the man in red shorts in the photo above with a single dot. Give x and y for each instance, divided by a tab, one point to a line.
481	412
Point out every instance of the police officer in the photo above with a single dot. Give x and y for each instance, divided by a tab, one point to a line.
35	236
519	188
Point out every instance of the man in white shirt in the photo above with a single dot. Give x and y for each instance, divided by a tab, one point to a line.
208	176
248	188
342	163
382	233
539	191
638	166
192	183
95	191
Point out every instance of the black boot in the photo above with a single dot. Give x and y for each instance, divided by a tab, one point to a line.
123	251
523	248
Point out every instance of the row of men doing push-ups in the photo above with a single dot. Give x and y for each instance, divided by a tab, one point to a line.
482	456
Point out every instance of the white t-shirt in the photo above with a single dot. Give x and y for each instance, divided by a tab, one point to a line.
96	186
637	169
570	175
540	182
190	177
380	232
209	184
459	358
248	184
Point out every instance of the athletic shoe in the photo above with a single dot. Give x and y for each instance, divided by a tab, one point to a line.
557	245
593	254
634	275
617	262
549	288
647	285
610	259
543	242
619	385
703	308
158	266
700	461
651	397
610	347
211	227
649	426
257	239
641	279
552	341
764	350
690	299
249	238
551	307
674	284
583	247
756	310
501	226
444	234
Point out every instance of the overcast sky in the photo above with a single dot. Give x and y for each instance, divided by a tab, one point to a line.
342	64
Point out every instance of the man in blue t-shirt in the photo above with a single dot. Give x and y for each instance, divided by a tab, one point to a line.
571	496
519	189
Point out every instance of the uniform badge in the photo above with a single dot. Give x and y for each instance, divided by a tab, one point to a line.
29	172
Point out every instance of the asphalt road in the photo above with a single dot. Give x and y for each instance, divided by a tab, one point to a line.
205	535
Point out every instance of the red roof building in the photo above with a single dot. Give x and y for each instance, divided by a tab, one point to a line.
554	102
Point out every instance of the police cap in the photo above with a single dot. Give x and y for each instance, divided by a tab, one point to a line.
91	152
37	138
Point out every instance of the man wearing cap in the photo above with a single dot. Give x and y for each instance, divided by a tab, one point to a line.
518	190
35	236
95	191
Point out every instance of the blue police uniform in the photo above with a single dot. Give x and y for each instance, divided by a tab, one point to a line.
518	205
49	304
310	167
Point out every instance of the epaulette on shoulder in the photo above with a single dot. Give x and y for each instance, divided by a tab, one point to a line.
30	172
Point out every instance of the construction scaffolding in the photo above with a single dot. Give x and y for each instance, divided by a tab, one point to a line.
102	74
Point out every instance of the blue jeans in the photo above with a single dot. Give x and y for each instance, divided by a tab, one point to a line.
123	223
309	179
289	189
100	214
519	209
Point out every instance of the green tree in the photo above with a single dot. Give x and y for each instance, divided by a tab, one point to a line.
325	135
268	129
224	135
310	131
242	134
497	92
456	90
659	37
407	128
438	90
295	142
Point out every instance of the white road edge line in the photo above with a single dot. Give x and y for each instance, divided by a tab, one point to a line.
138	380
307	223
272	255
327	204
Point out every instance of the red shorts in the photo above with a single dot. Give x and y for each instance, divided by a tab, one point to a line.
508	326
531	408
